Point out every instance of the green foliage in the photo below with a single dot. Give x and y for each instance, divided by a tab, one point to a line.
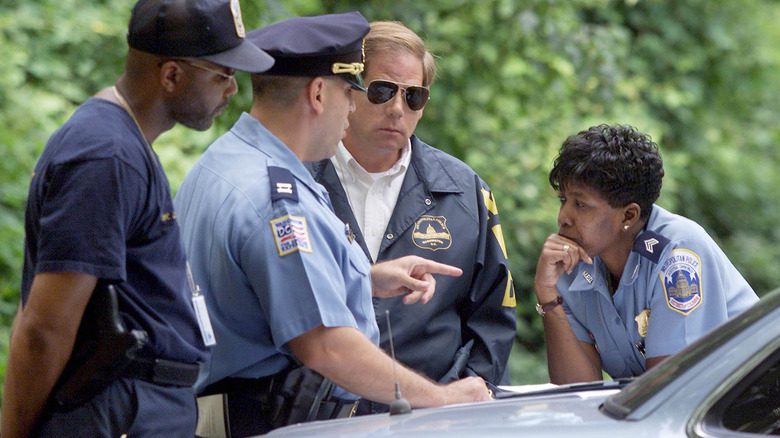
515	78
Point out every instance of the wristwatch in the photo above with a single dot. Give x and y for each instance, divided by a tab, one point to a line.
542	309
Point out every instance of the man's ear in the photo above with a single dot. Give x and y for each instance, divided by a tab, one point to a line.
315	94
171	75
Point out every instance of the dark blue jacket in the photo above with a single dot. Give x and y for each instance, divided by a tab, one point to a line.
445	212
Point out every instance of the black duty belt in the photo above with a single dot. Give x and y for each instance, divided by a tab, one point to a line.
241	385
163	371
337	408
260	388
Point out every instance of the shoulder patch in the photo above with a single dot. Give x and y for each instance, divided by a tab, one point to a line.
290	234
650	245
681	279
282	184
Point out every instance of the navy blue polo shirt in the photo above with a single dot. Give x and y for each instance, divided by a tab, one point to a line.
99	203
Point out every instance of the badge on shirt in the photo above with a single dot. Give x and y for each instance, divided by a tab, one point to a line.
430	232
586	275
348	232
291	234
642	320
681	278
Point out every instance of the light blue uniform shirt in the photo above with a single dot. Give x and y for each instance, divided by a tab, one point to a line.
271	257
676	273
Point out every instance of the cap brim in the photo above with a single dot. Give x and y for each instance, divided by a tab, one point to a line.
244	57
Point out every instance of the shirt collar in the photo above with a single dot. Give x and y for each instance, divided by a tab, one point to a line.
343	159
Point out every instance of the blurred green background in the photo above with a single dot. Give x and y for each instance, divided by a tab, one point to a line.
515	78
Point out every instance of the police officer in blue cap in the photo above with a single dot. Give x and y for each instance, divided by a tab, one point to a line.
100	213
285	282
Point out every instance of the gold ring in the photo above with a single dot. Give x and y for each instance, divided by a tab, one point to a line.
566	247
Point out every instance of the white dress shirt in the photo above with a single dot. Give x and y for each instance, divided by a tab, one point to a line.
371	195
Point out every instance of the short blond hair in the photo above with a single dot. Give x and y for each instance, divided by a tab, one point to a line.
393	36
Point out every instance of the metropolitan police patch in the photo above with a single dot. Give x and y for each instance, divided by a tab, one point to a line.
291	234
681	278
430	232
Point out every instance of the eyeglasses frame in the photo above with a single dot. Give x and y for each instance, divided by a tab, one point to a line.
224	76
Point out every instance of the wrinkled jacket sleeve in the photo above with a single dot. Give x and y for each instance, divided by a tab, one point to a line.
489	315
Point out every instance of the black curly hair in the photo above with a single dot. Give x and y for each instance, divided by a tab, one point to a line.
618	161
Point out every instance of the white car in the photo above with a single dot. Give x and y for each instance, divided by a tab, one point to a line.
725	384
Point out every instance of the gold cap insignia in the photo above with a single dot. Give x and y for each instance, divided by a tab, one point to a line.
235	9
353	68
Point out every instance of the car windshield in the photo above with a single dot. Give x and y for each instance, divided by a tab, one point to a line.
646	386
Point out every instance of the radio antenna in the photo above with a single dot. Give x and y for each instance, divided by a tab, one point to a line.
400	405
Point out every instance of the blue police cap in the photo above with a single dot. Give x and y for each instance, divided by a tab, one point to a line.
321	45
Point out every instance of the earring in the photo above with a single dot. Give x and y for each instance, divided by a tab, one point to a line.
625	227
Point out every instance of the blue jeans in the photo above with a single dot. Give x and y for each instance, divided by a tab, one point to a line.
127	406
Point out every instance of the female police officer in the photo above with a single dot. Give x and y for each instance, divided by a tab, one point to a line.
625	283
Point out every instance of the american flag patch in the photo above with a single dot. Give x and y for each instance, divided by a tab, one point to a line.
291	234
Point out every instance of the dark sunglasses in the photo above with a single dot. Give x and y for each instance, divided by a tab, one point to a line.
380	91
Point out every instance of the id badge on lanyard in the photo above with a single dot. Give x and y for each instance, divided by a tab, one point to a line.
201	312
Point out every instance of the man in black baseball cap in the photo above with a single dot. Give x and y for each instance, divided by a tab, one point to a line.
100	214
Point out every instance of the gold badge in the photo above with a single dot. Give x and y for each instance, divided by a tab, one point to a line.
235	9
641	322
430	232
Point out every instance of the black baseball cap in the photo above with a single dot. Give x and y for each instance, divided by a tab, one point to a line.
321	45
211	30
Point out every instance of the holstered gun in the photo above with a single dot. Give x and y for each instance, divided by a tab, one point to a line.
103	349
249	407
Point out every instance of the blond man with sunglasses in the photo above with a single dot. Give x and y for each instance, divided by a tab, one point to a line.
401	196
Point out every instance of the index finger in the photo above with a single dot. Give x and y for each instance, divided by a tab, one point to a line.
432	267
